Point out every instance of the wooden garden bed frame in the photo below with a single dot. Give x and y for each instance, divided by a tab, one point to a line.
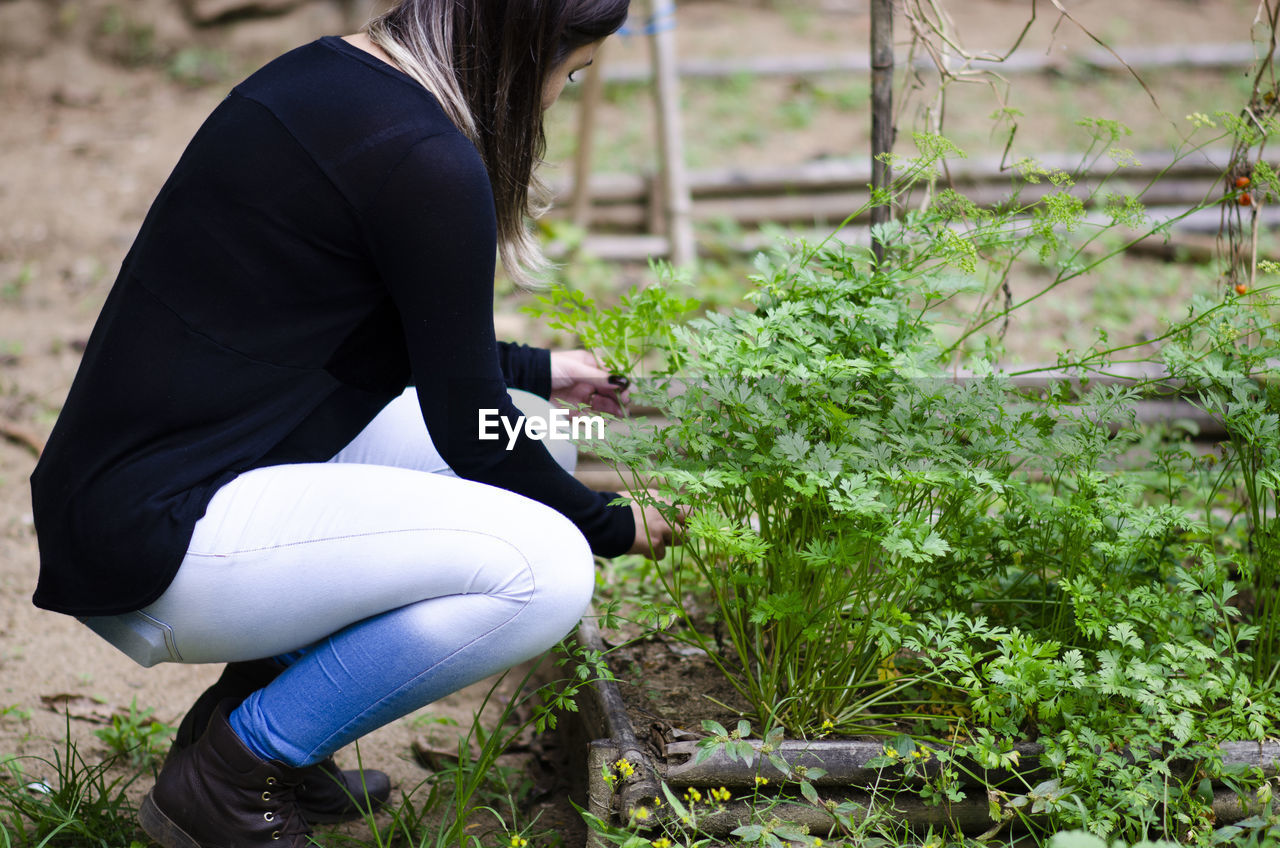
603	720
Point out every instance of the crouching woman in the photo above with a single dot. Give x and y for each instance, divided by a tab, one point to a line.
270	455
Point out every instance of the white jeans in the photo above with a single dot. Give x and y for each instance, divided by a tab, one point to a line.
399	581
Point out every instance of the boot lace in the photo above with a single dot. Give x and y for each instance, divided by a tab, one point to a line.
284	815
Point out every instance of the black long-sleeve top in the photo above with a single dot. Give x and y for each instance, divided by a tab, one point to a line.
328	237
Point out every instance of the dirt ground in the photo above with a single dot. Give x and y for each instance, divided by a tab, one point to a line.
87	138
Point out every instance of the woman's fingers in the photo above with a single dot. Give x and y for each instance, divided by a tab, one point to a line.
575	366
578	380
654	533
608	400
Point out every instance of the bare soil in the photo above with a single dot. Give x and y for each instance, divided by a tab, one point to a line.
90	125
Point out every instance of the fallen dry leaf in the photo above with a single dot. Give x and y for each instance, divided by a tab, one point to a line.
80	707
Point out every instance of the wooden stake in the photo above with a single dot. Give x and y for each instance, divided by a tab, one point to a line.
881	109
592	90
679	205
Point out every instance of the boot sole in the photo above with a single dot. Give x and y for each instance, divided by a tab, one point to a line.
161	828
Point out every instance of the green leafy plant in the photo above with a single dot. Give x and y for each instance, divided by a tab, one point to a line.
14	712
1128	727
1228	360
790	428
873	544
137	736
67	801
644	320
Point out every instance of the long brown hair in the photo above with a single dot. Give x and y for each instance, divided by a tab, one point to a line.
486	62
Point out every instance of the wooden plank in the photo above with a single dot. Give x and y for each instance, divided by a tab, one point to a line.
1140	57
843	760
970	815
640	248
814	209
845	763
844	175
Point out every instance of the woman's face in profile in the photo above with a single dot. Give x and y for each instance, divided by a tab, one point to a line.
559	76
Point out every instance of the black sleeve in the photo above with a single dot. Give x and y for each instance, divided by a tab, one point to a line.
433	232
527	368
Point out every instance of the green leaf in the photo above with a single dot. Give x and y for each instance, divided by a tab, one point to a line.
810	794
676	804
1076	839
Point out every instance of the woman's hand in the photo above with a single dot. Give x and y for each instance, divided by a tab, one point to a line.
578	380
653	531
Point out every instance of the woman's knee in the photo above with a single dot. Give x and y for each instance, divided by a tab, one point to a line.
560	567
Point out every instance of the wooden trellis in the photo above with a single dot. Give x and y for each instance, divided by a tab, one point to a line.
677	204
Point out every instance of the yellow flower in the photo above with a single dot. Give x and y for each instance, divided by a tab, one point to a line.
692	795
518	841
722	795
817	842
661	842
625	768
761	781
641	813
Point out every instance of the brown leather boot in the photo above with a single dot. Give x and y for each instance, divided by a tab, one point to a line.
327	793
219	794
238	681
